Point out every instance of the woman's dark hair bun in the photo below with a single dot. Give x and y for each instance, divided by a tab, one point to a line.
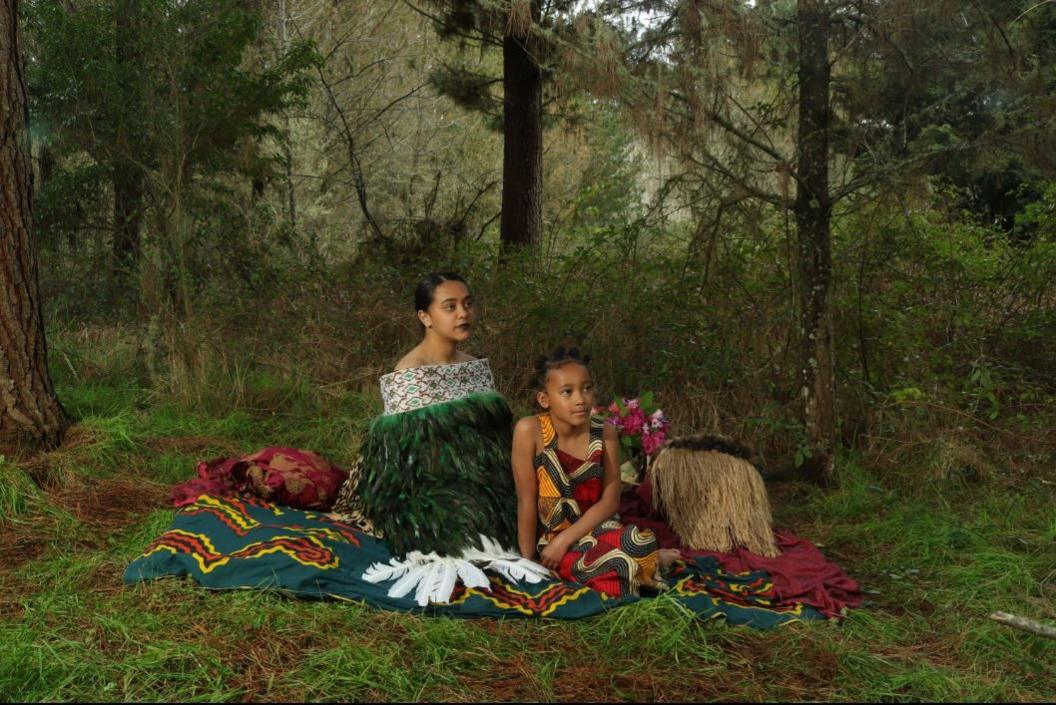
558	357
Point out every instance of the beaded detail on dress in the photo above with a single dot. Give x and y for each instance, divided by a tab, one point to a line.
419	387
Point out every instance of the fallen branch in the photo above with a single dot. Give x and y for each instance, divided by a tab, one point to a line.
1028	625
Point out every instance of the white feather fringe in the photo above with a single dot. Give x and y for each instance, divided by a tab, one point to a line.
433	577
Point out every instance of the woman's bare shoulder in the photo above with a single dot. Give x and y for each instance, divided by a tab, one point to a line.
415	358
410	360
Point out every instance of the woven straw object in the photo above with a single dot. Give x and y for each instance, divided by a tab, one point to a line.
713	496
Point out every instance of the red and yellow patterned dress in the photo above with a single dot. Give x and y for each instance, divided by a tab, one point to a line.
614	559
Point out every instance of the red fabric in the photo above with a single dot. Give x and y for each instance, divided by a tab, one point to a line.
289	476
607	582
800	574
586	493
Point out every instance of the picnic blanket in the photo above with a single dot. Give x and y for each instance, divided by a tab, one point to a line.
238	543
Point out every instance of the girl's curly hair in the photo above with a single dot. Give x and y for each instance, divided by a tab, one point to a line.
558	357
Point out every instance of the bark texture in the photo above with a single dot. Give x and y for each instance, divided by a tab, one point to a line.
813	213
30	415
522	153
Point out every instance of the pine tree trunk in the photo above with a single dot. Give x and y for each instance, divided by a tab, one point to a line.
30	415
522	153
813	212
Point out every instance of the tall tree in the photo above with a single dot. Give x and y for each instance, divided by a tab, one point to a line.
157	94
126	169
811	105
524	31
813	212
727	107
30	414
283	20
522	127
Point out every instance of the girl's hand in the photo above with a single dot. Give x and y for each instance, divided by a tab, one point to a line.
553	553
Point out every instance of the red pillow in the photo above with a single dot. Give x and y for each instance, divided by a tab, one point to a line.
289	476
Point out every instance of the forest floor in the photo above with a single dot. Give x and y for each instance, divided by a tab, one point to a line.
934	560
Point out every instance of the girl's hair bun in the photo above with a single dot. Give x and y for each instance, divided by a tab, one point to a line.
558	357
540	364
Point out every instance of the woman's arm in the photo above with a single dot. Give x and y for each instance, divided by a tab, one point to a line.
609	502
523	457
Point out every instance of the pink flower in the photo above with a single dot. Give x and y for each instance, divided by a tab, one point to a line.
651	442
659	423
645	431
634	422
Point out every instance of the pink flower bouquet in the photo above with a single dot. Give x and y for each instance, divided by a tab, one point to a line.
643	427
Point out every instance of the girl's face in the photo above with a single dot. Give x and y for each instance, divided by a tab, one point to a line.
450	315
569	394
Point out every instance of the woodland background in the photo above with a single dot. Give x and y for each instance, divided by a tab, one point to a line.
824	227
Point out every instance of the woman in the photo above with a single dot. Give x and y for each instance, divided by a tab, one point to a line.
435	476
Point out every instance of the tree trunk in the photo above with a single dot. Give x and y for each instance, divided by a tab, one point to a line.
30	415
128	217
127	178
287	146
813	212
522	150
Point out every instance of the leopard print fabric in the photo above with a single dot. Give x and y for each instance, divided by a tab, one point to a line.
348	504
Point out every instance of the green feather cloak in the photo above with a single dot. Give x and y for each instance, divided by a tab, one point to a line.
438	477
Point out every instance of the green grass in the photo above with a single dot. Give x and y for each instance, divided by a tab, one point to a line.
935	562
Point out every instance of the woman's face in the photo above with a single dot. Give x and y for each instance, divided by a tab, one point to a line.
569	394
451	313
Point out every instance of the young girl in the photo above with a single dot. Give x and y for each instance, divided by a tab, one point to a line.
566	470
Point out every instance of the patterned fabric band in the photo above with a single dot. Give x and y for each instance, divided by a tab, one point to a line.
419	387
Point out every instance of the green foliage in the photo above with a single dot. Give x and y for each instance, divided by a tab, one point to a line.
138	83
158	97
608	193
